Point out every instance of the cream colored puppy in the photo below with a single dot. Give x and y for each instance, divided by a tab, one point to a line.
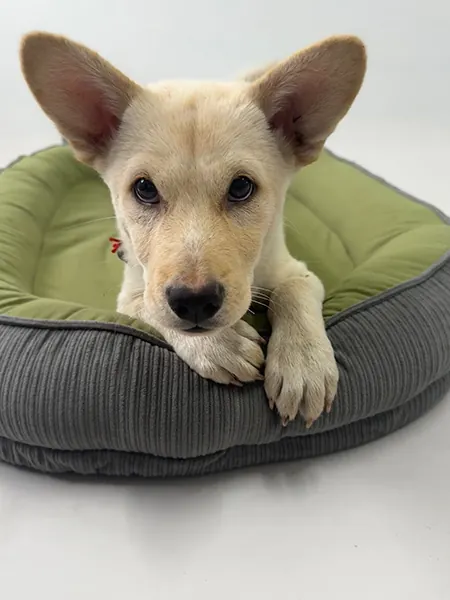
198	174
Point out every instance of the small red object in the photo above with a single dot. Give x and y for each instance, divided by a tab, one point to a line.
115	244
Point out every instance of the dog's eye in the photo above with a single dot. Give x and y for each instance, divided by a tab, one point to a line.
240	189
145	191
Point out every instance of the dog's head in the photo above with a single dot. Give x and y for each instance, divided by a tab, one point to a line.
197	171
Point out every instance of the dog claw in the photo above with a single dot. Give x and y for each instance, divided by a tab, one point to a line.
285	421
309	423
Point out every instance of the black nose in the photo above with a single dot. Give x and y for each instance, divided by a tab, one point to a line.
195	305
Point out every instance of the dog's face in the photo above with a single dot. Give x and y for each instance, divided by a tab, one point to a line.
197	181
197	171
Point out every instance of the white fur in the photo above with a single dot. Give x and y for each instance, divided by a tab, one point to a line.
192	139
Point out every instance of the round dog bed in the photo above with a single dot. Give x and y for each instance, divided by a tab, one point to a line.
85	389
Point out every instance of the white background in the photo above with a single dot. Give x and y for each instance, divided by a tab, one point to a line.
366	524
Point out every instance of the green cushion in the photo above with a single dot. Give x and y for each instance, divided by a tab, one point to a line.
358	235
85	389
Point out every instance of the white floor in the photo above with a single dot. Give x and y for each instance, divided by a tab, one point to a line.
363	525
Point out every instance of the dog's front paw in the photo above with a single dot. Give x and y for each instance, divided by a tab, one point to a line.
233	355
301	376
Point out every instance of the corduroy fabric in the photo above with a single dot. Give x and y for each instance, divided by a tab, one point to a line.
136	408
97	397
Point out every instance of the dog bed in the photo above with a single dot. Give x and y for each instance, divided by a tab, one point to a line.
84	389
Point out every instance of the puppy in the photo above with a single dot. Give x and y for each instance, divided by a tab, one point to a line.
198	174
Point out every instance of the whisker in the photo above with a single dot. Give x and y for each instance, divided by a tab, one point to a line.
259	303
261	294
257	300
291	226
263	298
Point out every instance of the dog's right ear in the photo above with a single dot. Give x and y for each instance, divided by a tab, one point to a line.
83	94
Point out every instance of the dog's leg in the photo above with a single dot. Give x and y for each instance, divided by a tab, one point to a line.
131	298
230	356
301	374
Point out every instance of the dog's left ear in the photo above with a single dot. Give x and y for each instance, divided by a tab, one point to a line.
306	96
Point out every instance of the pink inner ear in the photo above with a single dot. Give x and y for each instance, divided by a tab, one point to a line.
105	125
287	119
95	119
294	110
